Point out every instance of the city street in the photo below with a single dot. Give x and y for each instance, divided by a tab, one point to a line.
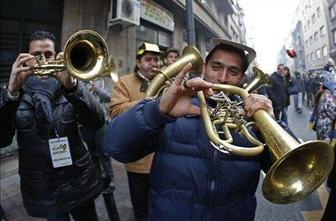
310	209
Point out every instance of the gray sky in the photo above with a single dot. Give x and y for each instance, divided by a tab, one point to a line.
268	23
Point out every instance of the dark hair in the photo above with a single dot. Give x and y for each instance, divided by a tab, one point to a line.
174	50
229	48
40	35
280	65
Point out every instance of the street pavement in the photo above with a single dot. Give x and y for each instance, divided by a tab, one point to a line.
310	209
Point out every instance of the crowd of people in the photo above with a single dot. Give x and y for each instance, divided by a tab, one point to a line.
67	130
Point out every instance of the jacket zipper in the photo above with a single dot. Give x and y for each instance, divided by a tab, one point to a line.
211	191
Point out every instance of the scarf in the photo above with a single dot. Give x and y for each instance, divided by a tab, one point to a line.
43	92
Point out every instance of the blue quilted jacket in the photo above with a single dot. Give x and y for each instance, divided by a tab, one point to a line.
189	179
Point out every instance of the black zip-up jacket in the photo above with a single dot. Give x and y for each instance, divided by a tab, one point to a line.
45	189
278	92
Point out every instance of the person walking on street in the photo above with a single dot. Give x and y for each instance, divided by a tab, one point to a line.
298	97
277	92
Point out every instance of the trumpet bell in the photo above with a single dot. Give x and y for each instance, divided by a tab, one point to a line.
298	173
86	55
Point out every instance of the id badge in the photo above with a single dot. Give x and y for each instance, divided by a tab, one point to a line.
60	152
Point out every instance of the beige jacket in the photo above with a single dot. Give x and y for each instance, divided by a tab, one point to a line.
126	93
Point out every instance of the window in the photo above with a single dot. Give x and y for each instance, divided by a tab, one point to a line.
324	51
306	43
332	12
308	24
318	12
315	36
322	31
334	36
311	40
318	53
313	19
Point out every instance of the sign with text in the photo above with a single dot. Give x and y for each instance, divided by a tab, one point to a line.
154	13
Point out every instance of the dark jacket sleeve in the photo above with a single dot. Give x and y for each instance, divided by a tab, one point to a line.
135	133
8	113
89	111
269	89
103	95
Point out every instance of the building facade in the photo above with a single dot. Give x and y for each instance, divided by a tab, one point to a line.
124	24
330	11
314	34
298	44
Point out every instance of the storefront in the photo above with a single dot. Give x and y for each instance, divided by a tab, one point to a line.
19	19
156	25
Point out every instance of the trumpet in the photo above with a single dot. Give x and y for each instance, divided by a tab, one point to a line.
85	57
298	168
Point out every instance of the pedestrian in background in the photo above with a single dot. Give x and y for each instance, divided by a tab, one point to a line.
288	85
57	174
128	91
172	54
277	92
298	97
310	90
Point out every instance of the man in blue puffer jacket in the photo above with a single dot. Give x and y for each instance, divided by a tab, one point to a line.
190	180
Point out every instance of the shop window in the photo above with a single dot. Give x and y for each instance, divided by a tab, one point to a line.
145	34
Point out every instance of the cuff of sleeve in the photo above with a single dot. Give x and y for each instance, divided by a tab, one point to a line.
152	115
16	97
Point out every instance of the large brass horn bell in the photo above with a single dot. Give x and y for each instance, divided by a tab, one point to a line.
299	168
85	57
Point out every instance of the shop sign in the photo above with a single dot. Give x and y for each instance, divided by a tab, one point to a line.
155	13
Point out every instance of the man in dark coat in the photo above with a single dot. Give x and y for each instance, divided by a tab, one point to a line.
57	174
277	92
189	179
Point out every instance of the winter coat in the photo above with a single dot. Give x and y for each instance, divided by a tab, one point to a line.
326	114
277	92
127	92
46	189
189	179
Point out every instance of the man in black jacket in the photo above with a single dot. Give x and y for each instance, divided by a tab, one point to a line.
277	92
57	173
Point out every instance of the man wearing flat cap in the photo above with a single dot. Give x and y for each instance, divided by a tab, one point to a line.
128	91
189	179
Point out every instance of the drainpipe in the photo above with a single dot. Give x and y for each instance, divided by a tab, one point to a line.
190	22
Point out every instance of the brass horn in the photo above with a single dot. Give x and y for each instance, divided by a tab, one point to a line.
299	168
85	57
190	54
